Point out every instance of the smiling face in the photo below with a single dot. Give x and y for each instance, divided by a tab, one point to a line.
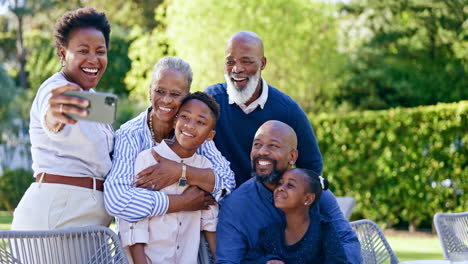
244	62
167	93
292	191
273	151
84	57
194	125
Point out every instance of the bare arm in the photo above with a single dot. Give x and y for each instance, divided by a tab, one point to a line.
211	239
167	172
138	253
192	199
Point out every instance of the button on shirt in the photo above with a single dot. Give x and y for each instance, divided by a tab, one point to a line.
174	237
79	150
133	204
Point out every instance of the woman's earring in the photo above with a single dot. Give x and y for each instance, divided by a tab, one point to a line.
62	62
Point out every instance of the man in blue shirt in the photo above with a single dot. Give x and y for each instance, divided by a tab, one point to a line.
250	208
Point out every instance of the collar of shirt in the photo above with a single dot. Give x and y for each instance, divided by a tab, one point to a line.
168	153
264	192
261	100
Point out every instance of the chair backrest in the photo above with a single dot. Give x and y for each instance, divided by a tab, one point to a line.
374	247
452	229
89	245
346	204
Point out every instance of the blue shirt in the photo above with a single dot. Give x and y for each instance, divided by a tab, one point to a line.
125	201
251	208
235	130
319	245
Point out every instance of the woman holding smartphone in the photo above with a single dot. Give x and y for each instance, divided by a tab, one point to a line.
70	158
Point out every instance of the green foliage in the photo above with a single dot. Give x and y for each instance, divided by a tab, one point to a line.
144	52
400	164
42	61
8	92
118	65
13	184
410	53
127	109
7	88
7	45
128	14
299	38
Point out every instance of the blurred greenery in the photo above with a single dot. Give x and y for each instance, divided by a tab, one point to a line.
13	184
401	165
299	39
415	247
414	53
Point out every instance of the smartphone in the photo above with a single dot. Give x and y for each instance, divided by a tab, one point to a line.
102	107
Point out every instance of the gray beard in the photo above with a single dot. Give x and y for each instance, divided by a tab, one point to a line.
241	96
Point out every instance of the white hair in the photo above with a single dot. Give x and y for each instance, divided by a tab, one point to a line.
173	63
241	96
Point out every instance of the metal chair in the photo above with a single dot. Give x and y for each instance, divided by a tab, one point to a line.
374	247
452	229
346	204
89	245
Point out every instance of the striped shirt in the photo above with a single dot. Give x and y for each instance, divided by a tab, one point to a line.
125	201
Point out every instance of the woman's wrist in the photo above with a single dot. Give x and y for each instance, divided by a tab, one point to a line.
53	127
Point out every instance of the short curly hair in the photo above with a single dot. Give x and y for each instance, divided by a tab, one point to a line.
80	18
207	99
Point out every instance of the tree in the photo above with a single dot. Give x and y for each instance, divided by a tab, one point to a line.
145	50
128	14
299	38
8	92
409	53
22	9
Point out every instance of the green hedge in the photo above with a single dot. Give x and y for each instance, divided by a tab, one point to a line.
13	184
401	165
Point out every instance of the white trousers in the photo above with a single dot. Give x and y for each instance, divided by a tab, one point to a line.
47	206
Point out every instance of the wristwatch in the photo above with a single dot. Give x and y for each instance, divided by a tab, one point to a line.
183	178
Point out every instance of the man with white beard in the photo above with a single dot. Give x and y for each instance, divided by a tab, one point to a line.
246	102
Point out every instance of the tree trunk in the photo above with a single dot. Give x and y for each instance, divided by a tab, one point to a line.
21	54
412	227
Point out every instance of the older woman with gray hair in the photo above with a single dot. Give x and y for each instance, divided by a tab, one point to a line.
134	201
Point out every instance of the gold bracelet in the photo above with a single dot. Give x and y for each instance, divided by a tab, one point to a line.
55	129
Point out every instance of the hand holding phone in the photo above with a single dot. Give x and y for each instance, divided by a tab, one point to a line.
102	106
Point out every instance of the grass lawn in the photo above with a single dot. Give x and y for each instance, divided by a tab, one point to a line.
5	220
406	246
415	246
